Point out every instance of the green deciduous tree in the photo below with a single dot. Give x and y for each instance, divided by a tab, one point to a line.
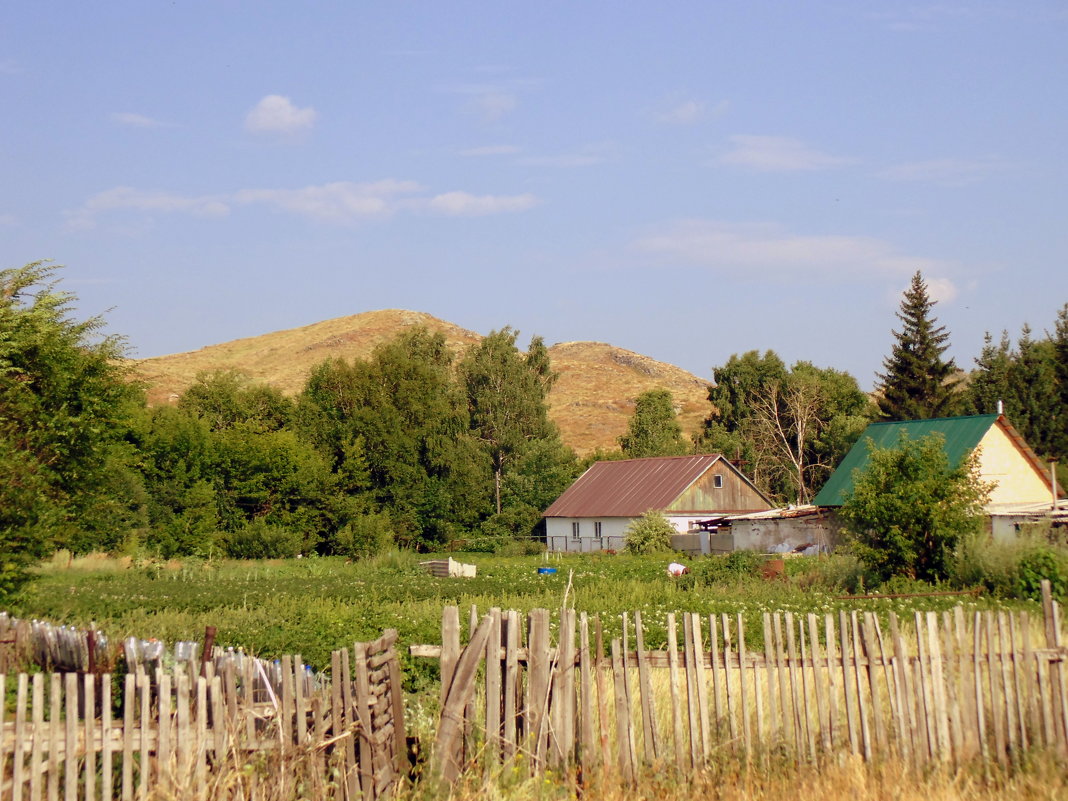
653	429
506	397
649	534
64	406
909	508
790	427
918	382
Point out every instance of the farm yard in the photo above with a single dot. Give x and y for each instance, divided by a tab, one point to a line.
740	711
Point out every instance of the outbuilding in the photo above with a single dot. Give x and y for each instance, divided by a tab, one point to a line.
593	513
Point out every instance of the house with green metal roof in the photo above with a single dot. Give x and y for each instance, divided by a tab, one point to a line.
1019	477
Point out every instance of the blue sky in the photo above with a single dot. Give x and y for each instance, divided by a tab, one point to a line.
684	179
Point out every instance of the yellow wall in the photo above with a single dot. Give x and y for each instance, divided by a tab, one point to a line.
1002	462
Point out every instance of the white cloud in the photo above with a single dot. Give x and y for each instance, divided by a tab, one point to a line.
277	114
463	204
684	113
135	120
494	105
491	150
126	197
586	156
341	201
946	172
777	154
759	250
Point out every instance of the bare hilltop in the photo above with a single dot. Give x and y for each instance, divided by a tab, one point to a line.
591	401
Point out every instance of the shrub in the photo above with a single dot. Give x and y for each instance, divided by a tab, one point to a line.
520	547
1042	562
365	535
260	540
650	533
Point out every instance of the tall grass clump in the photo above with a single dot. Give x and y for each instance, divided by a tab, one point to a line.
1014	568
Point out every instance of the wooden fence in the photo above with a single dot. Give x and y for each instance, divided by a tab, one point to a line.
183	735
946	687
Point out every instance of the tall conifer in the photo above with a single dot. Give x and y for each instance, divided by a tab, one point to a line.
917	383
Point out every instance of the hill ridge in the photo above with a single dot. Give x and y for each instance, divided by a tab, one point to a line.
591	401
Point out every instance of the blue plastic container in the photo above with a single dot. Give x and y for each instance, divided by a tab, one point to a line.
545	571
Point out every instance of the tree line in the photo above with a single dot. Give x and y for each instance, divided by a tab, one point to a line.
413	445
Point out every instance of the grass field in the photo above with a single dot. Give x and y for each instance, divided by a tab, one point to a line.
312	606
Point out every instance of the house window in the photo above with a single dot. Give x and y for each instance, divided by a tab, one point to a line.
575	530
717	481
597	530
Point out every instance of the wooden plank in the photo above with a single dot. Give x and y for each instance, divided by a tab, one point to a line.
18	776
70	740
965	691
40	738
300	702
747	740
129	703
469	746
493	688
450	648
1060	677
996	708
1005	684
829	640
718	672
165	749
144	772
702	685
692	714
800	740
977	686
351	770
183	739
729	701
55	731
1056	670
624	728
951	688
862	707
681	754
511	683
3	731
218	718
867	631
566	690
538	677
450	729
807	677
106	760
201	736
905	709
818	685
1016	668
848	685
362	706
786	698
938	687
587	741
1029	667
89	733
771	682
650	737
896	736
602	695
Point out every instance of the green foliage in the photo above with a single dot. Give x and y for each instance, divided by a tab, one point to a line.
918	382
653	429
227	399
1012	569
64	402
909	510
365	535
1039	564
649	534
790	427
729	568
258	539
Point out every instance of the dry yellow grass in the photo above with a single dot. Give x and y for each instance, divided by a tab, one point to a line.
591	402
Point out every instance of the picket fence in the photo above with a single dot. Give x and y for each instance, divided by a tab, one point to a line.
176	733
941	688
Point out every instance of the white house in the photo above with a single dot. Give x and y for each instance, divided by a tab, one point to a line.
594	512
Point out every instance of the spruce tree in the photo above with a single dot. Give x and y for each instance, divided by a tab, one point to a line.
917	383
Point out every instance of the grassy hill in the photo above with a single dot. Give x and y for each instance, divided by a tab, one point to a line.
591	402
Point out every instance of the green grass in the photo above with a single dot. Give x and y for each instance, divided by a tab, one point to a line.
312	606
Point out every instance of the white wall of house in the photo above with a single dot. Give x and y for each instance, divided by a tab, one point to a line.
560	532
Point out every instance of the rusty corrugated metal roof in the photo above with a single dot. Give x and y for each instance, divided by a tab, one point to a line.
631	487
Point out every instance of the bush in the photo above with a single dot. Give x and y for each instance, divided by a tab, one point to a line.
1013	569
521	547
365	535
260	540
1042	562
650	533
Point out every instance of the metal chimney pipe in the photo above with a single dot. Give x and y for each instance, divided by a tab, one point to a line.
1001	408
1053	481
